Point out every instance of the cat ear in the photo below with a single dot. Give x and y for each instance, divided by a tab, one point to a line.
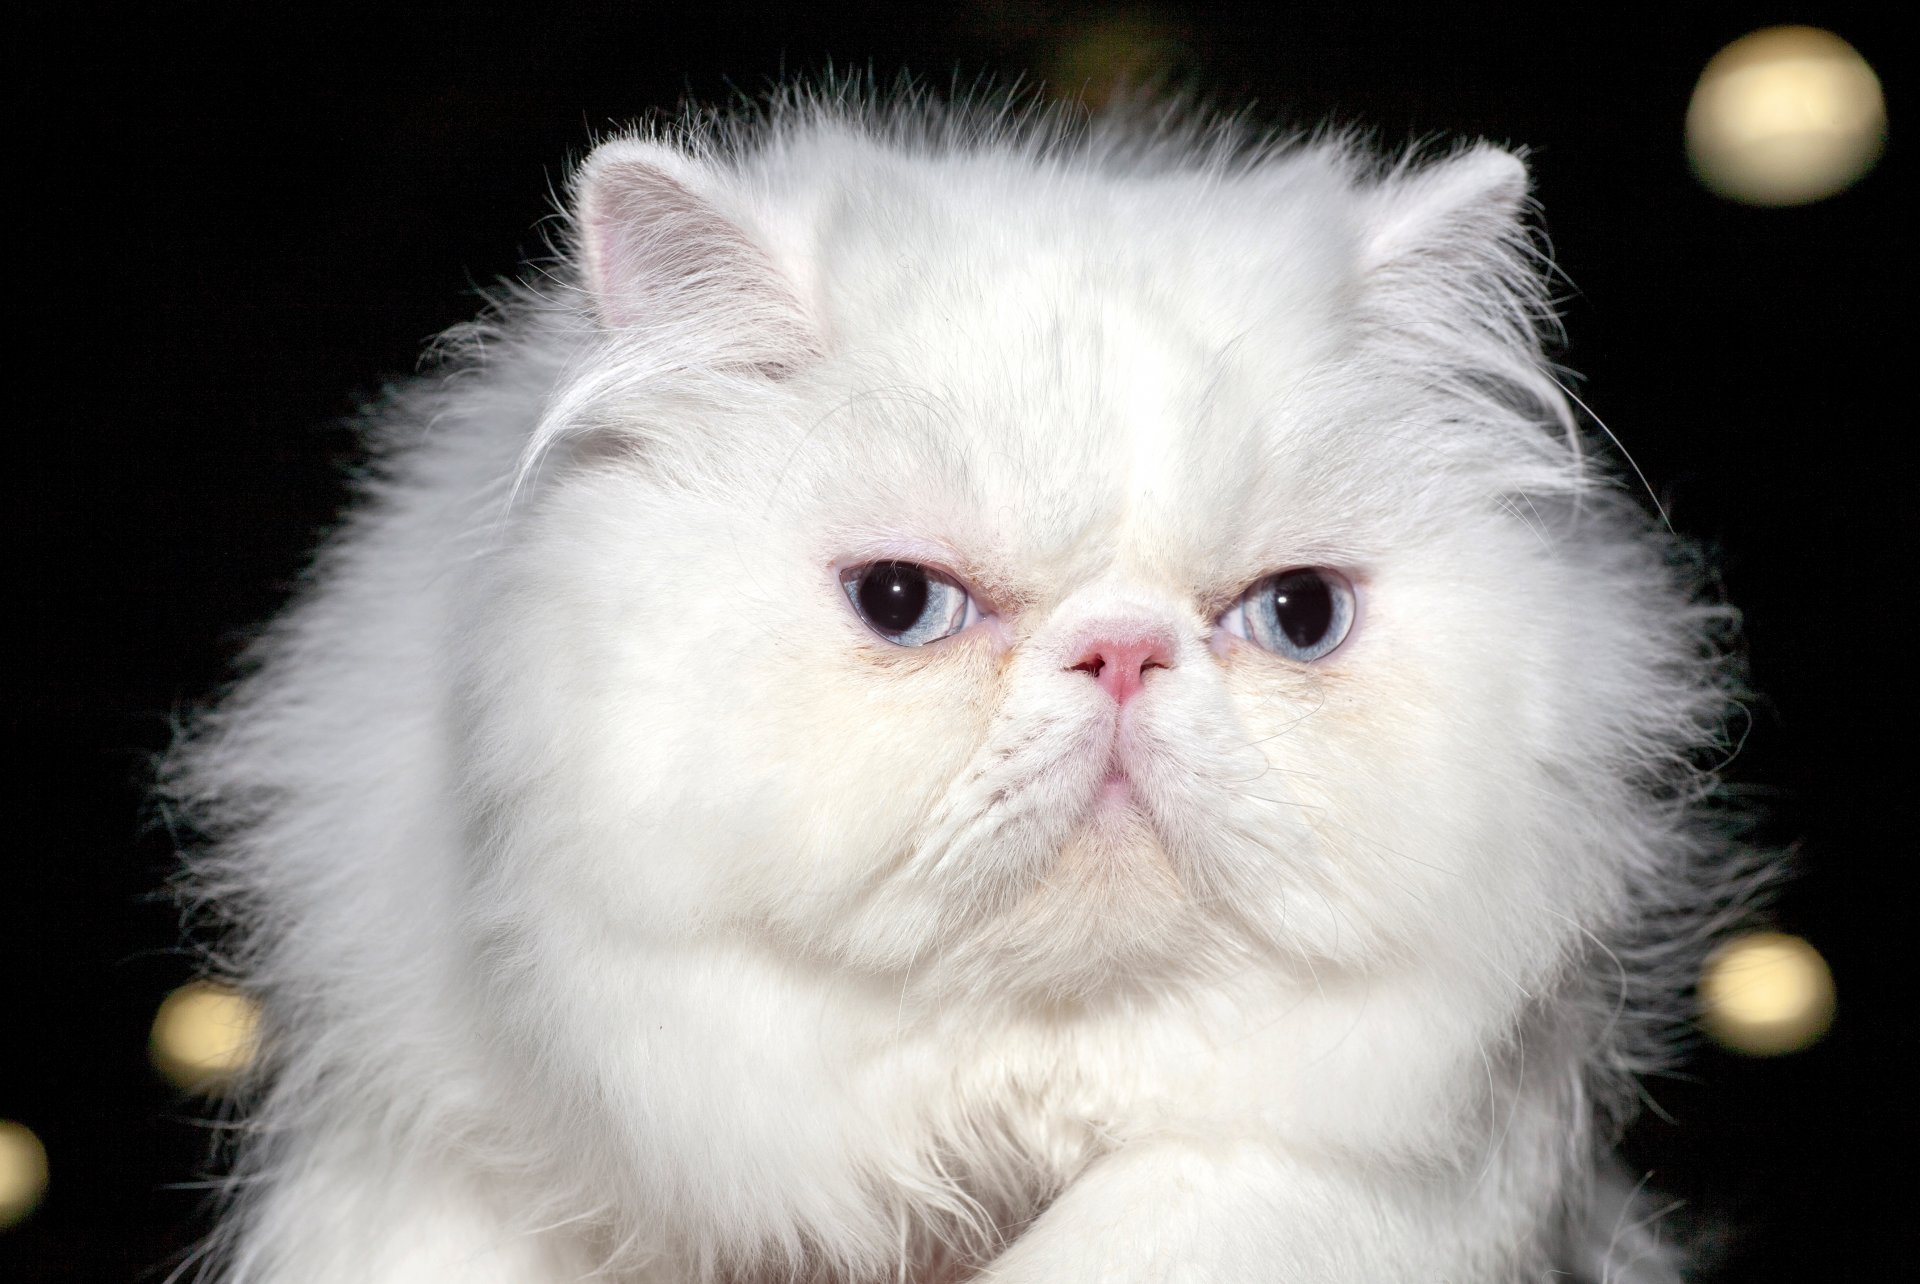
1455	212
661	254
1449	262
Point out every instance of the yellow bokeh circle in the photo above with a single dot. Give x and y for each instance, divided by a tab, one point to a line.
23	1172
1766	993
204	1036
1785	116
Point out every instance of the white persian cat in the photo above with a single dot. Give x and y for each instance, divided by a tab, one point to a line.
955	699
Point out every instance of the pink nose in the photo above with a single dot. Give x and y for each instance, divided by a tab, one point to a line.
1120	664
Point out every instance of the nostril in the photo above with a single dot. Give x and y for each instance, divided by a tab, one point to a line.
1120	665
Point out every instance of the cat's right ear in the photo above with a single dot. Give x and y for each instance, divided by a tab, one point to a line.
660	254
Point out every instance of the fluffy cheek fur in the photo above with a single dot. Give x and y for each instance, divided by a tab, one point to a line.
670	729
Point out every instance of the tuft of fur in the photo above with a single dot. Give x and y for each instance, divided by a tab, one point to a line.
621	907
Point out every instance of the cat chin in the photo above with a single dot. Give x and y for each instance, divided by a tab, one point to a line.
1111	917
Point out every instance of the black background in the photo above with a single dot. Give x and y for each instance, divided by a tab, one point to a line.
234	224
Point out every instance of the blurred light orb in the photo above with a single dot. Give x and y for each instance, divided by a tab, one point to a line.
1120	54
1766	993
1785	116
23	1172
204	1036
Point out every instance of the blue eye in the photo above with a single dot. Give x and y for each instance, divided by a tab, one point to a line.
1300	614
908	604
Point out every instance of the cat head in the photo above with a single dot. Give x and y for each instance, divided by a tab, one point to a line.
1050	570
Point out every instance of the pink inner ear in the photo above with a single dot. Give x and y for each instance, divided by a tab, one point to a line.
645	234
660	255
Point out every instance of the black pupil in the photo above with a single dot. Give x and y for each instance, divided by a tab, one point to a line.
893	595
1303	606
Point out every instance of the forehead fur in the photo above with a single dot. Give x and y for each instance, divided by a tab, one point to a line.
1178	350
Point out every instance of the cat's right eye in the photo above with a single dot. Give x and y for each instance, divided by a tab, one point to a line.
909	604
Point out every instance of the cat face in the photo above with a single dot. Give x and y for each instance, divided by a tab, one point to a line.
1079	585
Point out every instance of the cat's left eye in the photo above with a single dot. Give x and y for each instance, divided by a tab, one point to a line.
909	604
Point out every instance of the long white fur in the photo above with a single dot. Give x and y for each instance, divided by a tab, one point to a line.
622	908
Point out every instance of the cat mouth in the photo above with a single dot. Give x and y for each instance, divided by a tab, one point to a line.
1116	790
1124	783
1118	803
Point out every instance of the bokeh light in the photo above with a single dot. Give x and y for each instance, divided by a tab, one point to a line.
203	1036
1785	116
1766	993
23	1172
1115	55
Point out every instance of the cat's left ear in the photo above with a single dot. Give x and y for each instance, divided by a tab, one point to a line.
1451	214
1449	265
